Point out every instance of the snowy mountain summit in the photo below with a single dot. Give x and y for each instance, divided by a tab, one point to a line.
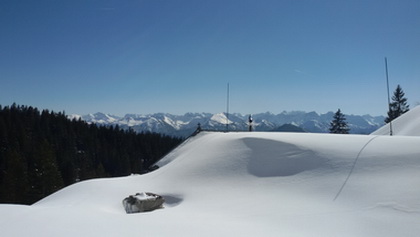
249	184
184	125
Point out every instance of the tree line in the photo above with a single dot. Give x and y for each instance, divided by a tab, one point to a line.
397	107
42	152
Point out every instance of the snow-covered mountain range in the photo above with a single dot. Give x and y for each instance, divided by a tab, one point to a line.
184	125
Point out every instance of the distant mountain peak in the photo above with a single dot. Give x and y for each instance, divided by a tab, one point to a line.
220	118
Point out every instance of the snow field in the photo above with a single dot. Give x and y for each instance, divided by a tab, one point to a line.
407	124
247	184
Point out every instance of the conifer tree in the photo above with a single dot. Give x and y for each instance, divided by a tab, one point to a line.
41	152
398	106
15	182
48	173
339	124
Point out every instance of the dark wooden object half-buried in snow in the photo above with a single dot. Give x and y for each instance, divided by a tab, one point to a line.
142	202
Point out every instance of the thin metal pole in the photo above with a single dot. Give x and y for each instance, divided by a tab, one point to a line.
389	100
227	110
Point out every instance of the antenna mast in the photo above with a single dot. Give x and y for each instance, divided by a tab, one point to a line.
227	109
389	101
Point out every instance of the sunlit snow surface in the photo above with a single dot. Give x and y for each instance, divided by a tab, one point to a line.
406	125
247	184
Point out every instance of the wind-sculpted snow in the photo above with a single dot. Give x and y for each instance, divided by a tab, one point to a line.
271	158
407	124
247	184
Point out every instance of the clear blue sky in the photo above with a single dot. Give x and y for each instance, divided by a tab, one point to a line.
170	56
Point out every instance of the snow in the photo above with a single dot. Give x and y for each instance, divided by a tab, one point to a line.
130	121
175	124
247	184
407	124
144	196
74	116
101	118
220	118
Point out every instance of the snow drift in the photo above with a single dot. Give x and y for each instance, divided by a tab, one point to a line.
247	184
407	124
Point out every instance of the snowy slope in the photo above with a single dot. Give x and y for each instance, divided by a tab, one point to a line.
247	184
407	124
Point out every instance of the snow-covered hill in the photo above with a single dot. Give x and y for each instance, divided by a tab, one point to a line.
184	125
247	184
407	124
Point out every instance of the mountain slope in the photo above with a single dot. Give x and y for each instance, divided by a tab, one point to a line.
248	184
407	124
184	125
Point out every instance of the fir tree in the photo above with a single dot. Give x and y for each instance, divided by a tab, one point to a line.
41	152
48	176
14	186
398	106
339	124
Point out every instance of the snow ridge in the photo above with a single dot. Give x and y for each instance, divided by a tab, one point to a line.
407	124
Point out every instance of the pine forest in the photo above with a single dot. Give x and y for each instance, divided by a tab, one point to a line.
42	152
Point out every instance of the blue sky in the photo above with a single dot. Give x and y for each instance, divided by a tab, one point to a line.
152	56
